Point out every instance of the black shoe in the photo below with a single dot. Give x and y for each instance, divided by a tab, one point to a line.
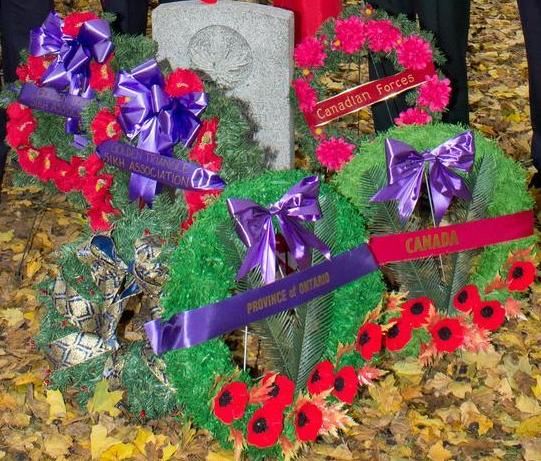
535	182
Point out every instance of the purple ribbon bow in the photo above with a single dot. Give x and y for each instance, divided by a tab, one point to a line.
160	121
71	69
406	166
254	227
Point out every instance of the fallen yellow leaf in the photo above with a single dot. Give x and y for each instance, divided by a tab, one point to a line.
118	452
6	236
537	388
528	405
221	455
168	451
28	378
57	445
12	316
143	437
99	442
530	427
438	452
104	401
32	267
57	407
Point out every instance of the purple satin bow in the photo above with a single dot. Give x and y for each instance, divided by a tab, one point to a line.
254	227
71	69
160	121
406	166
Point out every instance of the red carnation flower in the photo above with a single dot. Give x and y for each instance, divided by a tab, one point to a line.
447	334
102	76
105	127
489	315
413	116
306	95
74	21
334	153
382	35
265	426
414	53
321	378
100	216
230	403
415	311
308	422
521	275
346	383
310	53
18	112
18	132
435	93
282	390
181	82
398	335
95	187
467	299
350	34
369	339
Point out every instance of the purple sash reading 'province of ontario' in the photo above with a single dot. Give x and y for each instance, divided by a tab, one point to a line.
190	328
173	172
50	100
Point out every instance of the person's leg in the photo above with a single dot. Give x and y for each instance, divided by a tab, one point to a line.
131	15
385	112
530	15
17	18
449	21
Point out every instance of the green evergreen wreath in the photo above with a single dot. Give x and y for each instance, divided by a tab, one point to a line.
203	271
498	186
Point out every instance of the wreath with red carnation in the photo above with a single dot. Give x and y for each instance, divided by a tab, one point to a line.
362	32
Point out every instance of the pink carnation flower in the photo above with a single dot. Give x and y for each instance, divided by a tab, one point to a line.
310	53
414	53
306	95
413	116
334	153
350	34
435	93
382	35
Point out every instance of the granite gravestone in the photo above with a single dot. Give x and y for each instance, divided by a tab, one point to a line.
247	48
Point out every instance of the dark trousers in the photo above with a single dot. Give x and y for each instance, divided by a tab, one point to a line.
449	21
131	15
530	15
17	18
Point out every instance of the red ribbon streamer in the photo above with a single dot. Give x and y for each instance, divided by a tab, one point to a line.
310	14
454	238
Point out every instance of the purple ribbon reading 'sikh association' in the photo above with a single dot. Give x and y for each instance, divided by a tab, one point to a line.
197	326
406	167
254	227
173	172
71	69
159	120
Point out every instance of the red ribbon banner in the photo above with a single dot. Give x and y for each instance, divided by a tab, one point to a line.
454	238
355	99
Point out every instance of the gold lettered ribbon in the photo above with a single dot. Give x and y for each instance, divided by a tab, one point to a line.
97	322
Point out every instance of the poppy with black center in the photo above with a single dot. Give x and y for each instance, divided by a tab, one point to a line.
521	275
467	299
265	426
369	340
230	403
282	389
447	334
308	422
346	384
489	315
415	311
321	378
398	335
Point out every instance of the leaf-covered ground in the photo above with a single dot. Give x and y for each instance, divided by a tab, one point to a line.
480	407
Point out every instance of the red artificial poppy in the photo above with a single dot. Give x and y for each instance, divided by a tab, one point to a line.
415	311
181	82
447	334
281	391
265	426
467	299
37	65
100	216
18	132
74	21
489	315
346	383
521	275
18	112
95	187
230	403
321	378
22	73
197	201
102	76
63	177
308	422
48	161
105	127
398	335
29	160
369	339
